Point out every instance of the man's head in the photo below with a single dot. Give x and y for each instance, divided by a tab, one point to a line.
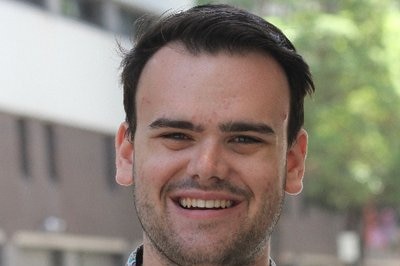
211	29
212	139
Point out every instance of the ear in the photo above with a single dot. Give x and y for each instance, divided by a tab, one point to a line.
296	157
123	156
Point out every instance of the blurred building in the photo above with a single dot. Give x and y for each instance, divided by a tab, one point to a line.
60	104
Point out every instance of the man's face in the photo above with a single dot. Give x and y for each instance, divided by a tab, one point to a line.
210	154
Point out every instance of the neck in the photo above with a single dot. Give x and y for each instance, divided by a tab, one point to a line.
154	257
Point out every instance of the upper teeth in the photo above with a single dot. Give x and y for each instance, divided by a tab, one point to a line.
208	204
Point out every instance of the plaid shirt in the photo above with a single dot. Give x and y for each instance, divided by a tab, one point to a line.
136	258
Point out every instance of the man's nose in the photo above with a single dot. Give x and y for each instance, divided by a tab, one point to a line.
207	161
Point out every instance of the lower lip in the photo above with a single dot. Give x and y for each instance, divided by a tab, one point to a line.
204	213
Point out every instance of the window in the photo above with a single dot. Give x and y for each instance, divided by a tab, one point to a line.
86	10
128	21
40	3
70	8
2	256
50	140
56	258
91	11
96	12
23	147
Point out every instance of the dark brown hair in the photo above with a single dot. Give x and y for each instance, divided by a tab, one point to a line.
211	29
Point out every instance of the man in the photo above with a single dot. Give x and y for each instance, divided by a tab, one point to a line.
213	136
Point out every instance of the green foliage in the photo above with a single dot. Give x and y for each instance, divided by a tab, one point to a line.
353	121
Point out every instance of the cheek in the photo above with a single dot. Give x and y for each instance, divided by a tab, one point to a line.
156	167
263	168
263	175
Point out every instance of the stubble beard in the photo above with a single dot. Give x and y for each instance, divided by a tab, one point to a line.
242	247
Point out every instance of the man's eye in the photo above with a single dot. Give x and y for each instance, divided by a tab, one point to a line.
245	140
176	136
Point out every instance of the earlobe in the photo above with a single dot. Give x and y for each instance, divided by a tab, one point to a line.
296	157
123	156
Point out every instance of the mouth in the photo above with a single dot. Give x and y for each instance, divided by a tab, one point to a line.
201	204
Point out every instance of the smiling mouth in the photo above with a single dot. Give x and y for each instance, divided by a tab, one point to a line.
190	203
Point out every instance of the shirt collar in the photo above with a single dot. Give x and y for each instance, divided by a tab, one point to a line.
136	258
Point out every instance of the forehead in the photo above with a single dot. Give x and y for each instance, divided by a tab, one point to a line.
175	81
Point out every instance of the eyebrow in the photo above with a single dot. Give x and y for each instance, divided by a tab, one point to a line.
224	127
247	126
179	124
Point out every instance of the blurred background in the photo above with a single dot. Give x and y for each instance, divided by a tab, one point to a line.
61	102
